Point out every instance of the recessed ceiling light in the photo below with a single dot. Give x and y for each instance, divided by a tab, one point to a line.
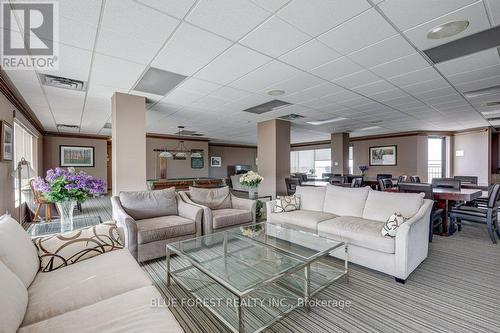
482	92
490	113
448	29
326	121
491	103
368	128
275	92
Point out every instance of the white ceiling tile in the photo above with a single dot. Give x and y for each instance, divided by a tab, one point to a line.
359	32
479	84
318	16
297	83
265	75
421	75
337	69
74	63
475	14
318	91
198	86
229	94
426	86
382	52
400	66
387	95
275	37
271	5
229	18
232	64
358	79
114	72
479	74
310	55
189	50
409	13
180	97
374	88
66	105
76	33
177	8
469	63
493	7
82	11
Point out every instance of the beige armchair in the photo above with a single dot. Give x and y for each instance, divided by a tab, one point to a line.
151	219
221	209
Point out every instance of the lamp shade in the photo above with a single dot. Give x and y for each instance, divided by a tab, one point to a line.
23	170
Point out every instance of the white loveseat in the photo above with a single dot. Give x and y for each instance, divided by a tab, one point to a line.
106	293
357	216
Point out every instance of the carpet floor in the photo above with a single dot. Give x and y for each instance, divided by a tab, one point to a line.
456	289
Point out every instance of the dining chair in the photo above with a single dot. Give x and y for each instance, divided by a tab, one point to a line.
446	183
357	182
467	179
415	179
384	176
402	179
384	183
291	185
487	215
326	175
338	180
437	214
40	202
302	176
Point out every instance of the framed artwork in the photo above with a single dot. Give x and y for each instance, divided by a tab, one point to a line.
383	155
197	162
76	156
6	141
216	161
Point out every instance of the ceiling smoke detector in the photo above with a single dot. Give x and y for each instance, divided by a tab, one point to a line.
276	92
62	82
448	29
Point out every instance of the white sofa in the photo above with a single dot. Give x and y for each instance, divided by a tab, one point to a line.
357	216
106	293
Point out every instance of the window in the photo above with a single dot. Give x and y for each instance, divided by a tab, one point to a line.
435	158
351	160
319	160
25	145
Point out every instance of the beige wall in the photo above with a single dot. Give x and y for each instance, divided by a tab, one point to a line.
411	156
175	168
475	161
231	156
51	154
7	197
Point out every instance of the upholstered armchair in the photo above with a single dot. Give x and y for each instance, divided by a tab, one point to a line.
221	209
151	219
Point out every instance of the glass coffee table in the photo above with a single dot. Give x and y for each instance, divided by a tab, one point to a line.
250	277
54	227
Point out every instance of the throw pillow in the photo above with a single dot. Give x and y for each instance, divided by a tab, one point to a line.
67	248
391	226
287	204
213	198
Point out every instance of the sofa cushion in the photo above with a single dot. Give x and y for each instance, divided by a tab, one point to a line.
223	218
302	218
82	284
13	300
213	198
131	311
357	231
163	227
147	204
64	249
311	197
381	205
17	251
345	201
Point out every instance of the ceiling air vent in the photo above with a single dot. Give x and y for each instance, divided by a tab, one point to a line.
291	116
67	127
266	107
158	82
62	82
107	125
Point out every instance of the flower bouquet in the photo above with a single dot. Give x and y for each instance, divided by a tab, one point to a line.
66	188
363	169
251	180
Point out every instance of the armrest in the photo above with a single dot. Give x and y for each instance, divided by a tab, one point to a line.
270	205
191	212
207	212
412	241
244	204
125	221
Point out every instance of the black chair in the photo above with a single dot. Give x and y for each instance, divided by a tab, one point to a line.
415	179
325	175
467	179
357	182
302	176
384	176
437	214
488	215
338	180
446	183
402	179
291	185
384	183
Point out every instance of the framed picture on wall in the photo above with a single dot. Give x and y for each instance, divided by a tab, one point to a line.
383	155
197	162
76	156
6	141
216	161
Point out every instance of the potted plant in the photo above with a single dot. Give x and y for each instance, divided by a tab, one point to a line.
66	188
251	180
363	169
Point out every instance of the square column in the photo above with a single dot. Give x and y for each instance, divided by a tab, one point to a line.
340	153
273	154
128	143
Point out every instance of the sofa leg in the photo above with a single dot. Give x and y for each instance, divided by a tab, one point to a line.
402	281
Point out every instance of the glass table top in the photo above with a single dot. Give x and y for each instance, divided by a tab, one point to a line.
244	257
54	226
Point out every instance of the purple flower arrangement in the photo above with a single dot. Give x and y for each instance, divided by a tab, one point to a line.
363	169
67	185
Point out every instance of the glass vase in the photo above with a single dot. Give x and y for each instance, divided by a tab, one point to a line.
66	209
253	193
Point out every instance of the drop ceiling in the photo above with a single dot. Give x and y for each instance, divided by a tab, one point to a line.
357	60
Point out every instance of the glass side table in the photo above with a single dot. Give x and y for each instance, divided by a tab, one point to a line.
54	227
